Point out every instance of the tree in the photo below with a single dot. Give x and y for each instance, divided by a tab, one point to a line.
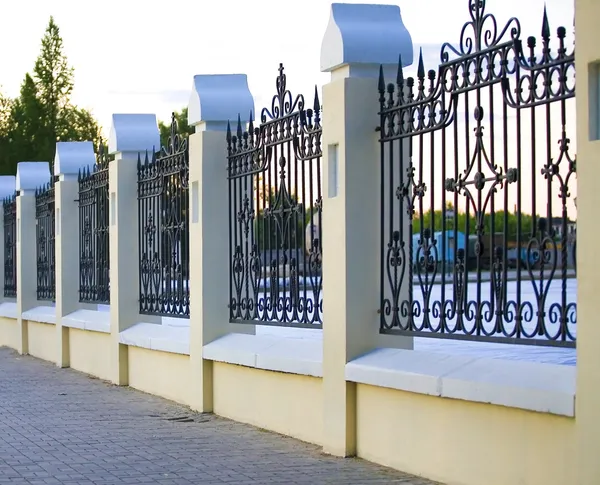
181	117
25	140
460	219
43	113
6	106
54	82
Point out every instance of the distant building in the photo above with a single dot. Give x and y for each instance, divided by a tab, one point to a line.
557	226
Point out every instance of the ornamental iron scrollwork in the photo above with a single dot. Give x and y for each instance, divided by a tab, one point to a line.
163	209
478	179
94	243
45	253
275	207
10	246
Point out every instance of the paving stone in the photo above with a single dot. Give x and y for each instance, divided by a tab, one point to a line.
61	427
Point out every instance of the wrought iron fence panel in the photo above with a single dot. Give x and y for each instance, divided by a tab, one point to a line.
163	208
10	246
45	226
94	254
478	180
275	214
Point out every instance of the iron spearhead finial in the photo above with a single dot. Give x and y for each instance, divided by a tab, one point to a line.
545	26
421	69
381	80
400	75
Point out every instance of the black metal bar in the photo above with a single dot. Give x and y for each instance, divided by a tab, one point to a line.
275	223
163	210
10	246
94	254
45	255
486	300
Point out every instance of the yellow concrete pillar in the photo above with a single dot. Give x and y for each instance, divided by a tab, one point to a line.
587	67
214	100
358	39
30	176
131	136
70	158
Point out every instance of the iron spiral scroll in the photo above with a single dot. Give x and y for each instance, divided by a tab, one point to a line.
163	208
459	146
275	201
9	205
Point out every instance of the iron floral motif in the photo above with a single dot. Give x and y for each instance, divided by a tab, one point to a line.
45	221
431	285
10	246
94	244
163	187
274	177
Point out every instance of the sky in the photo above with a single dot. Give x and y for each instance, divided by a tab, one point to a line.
140	56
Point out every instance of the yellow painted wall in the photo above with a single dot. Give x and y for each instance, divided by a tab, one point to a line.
90	352
9	333
587	65
464	443
42	340
285	403
163	374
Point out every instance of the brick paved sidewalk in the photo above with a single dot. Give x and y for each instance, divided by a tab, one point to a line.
62	427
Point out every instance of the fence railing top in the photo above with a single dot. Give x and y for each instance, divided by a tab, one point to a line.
133	133
365	35
32	175
218	98
7	186
73	156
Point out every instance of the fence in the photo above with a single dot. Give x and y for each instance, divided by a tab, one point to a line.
453	220
10	246
275	207
94	253
460	147
163	209
45	227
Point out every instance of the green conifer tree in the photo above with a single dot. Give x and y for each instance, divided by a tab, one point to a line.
43	113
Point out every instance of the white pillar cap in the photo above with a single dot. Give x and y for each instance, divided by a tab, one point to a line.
7	186
359	38
217	99
32	175
133	133
73	156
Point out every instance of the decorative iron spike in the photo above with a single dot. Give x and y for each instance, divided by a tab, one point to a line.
239	127
139	161
545	26
400	74
228	136
381	80
317	103
251	124
421	69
